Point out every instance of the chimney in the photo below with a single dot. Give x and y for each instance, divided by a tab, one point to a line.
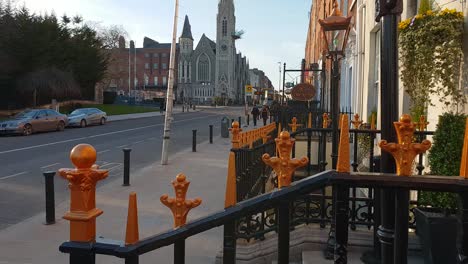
121	42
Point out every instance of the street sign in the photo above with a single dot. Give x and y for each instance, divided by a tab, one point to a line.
248	89
303	92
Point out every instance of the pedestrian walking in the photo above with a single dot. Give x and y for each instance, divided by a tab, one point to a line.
275	111
255	114
265	113
161	107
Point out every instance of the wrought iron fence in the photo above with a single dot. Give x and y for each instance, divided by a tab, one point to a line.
278	204
316	207
252	173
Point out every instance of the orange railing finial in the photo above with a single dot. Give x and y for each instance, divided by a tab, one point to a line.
132	233
326	120
422	124
82	184
283	165
405	151
179	205
343	163
372	125
235	130
356	122
294	124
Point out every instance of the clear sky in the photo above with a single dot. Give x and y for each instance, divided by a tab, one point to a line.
275	30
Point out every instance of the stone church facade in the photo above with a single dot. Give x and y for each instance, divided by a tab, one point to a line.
213	69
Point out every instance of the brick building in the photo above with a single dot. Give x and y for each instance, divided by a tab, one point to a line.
315	51
142	73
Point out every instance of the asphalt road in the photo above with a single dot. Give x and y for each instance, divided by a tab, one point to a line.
24	159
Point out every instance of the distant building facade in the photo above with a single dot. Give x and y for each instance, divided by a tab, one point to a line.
197	68
142	73
212	70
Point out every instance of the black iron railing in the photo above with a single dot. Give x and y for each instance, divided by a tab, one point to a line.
252	172
280	201
316	207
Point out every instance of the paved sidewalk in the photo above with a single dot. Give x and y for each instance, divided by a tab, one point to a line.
32	242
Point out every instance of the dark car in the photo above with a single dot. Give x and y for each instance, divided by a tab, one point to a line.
32	121
83	117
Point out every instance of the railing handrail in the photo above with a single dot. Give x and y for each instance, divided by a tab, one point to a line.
361	131
270	200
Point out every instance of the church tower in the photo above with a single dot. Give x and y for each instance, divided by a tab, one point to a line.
225	50
185	61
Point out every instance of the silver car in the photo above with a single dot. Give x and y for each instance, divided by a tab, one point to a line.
83	117
35	120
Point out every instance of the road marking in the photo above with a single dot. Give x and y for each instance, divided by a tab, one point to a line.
115	167
103	151
99	135
51	165
123	146
108	164
14	175
138	142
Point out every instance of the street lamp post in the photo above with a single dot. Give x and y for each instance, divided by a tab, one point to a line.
335	29
279	81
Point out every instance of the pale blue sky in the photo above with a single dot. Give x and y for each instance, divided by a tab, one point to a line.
275	30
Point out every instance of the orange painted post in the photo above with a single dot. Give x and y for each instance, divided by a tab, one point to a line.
343	163
405	151
235	130
283	165
231	184
132	233
309	121
82	184
179	205
464	160
356	122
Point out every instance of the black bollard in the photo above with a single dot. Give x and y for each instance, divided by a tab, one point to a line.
211	134
126	179
49	197
240	121
248	120
194	140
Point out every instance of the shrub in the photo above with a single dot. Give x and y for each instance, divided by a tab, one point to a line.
445	157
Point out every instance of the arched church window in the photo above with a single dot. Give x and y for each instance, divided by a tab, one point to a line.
203	68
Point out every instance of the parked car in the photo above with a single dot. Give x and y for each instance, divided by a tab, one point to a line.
83	117
34	120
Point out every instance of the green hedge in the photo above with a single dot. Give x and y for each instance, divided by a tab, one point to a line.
445	157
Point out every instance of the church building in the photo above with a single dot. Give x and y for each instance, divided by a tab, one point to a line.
213	71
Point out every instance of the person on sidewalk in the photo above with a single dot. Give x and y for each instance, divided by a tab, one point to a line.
255	114
275	111
265	114
161	107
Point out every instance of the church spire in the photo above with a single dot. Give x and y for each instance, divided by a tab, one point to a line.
187	32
